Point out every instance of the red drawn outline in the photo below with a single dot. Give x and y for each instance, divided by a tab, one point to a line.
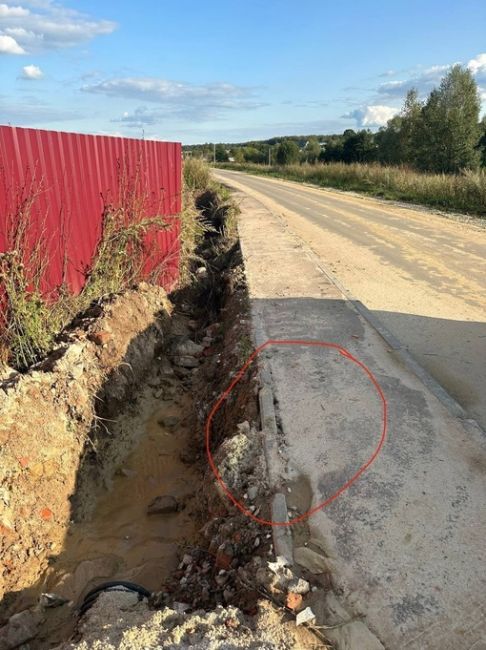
323	344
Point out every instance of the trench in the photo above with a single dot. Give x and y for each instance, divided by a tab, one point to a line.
121	540
156	439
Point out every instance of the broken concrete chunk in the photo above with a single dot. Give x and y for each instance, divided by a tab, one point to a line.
299	586
305	616
163	505
279	564
310	560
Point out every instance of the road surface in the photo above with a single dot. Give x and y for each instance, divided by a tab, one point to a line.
404	543
422	274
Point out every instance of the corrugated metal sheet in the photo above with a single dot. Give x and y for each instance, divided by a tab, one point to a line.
72	178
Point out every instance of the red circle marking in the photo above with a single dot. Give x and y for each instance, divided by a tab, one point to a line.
323	344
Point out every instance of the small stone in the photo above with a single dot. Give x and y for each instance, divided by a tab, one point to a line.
52	600
187	559
180	608
227	594
188	348
46	514
279	564
299	586
305	616
163	505
201	271
186	361
252	492
293	601
221	580
224	557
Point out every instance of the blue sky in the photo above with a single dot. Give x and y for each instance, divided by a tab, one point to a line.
227	70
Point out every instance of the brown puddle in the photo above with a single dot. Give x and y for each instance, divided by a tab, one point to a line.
121	541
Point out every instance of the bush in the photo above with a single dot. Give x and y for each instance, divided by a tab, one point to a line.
197	175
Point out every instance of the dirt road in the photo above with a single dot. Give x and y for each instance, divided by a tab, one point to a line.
421	274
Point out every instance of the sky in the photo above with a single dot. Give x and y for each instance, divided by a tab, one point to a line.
228	70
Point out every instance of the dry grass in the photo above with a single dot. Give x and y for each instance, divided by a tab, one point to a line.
464	192
30	315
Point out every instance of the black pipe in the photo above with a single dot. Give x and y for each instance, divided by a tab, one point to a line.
114	585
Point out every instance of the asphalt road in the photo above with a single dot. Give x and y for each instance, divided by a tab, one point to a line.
422	274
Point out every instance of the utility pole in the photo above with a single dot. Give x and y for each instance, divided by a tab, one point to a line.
214	153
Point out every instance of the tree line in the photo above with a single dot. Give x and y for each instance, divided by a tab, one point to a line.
443	133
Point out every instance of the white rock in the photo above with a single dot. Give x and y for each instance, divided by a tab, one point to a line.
305	616
279	564
299	586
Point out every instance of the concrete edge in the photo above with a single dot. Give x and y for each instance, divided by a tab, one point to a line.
349	633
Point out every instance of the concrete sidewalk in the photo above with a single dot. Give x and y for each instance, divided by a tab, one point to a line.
405	544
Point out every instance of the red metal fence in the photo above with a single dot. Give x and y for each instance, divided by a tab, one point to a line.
66	181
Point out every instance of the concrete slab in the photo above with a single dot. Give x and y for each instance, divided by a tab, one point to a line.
406	542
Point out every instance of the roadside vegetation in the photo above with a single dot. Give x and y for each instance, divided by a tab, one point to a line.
433	152
464	192
30	319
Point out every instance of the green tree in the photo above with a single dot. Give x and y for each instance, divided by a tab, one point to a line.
450	124
312	150
481	146
389	142
287	153
237	154
358	147
410	128
221	153
253	154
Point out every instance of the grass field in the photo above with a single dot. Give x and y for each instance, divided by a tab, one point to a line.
464	193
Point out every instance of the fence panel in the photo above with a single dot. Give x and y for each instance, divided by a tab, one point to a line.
67	180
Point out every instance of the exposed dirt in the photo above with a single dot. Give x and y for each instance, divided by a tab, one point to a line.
120	487
52	436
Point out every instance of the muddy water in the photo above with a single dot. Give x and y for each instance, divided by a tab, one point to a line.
121	541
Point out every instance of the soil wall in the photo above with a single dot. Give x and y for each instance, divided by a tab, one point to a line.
55	419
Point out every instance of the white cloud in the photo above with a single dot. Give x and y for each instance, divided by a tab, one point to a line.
176	99
477	66
372	116
8	45
6	10
48	25
32	72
